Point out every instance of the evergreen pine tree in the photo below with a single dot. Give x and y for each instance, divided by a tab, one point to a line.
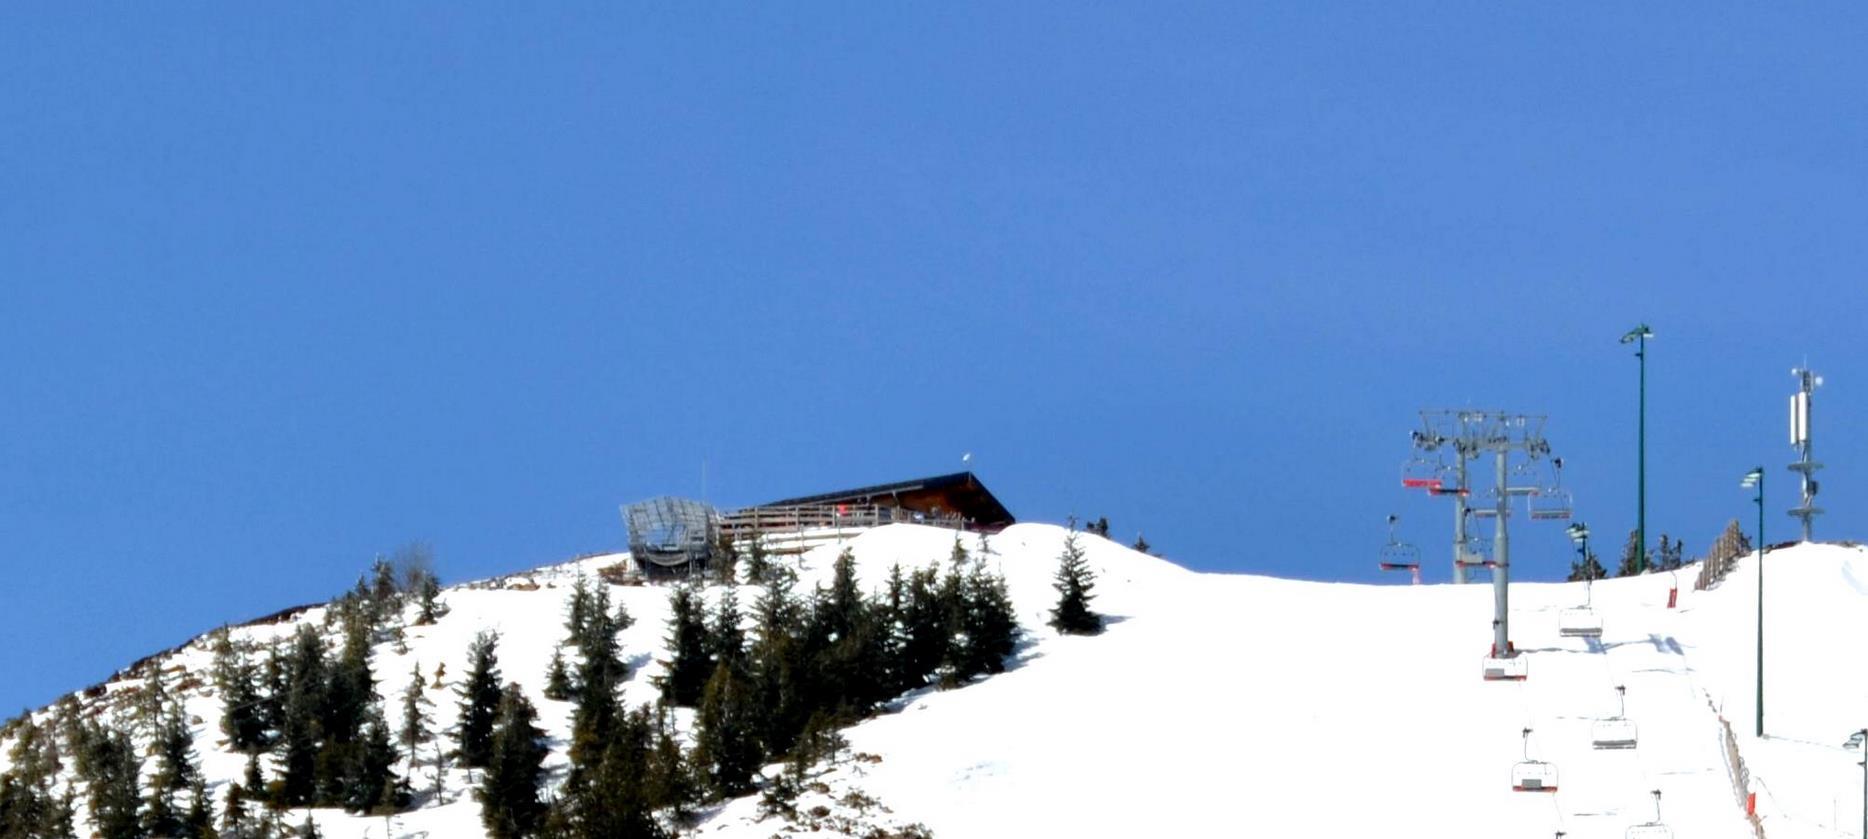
1074	581
198	822
992	622
415	717
1141	543
726	641
726	739
577	611
385	591
1587	568
64	813
615	795
253	779
558	686
758	565
428	599
369	779
234	812
28	807
670	781
1631	557
116	798
688	665
924	630
176	771
726	560
479	701
781	659
301	731
310	829
508	793
353	684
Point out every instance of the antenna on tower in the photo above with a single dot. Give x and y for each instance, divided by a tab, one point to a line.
1800	439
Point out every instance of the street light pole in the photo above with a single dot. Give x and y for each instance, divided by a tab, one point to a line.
1755	478
1638	336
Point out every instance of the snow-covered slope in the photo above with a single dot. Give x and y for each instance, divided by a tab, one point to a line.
1227	704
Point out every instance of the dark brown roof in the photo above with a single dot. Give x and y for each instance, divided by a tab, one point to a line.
963	489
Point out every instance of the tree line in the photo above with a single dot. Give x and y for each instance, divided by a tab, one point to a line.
772	682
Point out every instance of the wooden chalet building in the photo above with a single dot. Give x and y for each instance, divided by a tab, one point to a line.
958	500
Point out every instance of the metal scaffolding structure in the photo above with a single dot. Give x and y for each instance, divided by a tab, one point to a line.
668	533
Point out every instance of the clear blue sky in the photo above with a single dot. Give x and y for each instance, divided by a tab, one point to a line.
282	288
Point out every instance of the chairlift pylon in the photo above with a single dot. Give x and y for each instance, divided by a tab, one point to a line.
1533	775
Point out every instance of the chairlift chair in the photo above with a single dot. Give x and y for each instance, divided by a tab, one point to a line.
1510	668
1655	829
1579	622
1551	504
1616	732
1533	775
1613	733
1477	553
1397	555
1421	473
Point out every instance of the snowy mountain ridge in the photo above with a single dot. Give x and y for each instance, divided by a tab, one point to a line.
1222	704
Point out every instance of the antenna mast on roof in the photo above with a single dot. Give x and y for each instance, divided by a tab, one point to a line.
1806	465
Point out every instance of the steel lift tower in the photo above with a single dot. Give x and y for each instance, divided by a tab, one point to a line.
1470	435
1806	465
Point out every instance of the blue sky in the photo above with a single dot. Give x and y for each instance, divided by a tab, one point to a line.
285	287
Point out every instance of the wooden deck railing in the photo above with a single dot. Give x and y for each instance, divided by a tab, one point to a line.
795	529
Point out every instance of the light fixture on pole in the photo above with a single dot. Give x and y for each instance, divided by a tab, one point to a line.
1855	742
1638	336
1755	479
1579	533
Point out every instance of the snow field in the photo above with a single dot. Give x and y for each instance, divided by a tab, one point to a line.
1232	704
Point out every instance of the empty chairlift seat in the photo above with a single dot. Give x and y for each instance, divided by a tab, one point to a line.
1534	776
1613	733
1515	668
1550	504
1655	829
1421	473
1580	622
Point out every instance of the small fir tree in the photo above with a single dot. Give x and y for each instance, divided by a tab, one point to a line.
688	666
428	600
558	687
1587	568
508	793
415	716
479	702
1074	581
1631	563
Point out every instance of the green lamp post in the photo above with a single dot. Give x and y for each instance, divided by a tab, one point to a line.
1638	336
1755	479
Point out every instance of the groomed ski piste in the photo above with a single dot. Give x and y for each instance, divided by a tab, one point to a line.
1219	705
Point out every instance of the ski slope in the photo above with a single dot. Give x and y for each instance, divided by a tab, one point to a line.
1232	704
